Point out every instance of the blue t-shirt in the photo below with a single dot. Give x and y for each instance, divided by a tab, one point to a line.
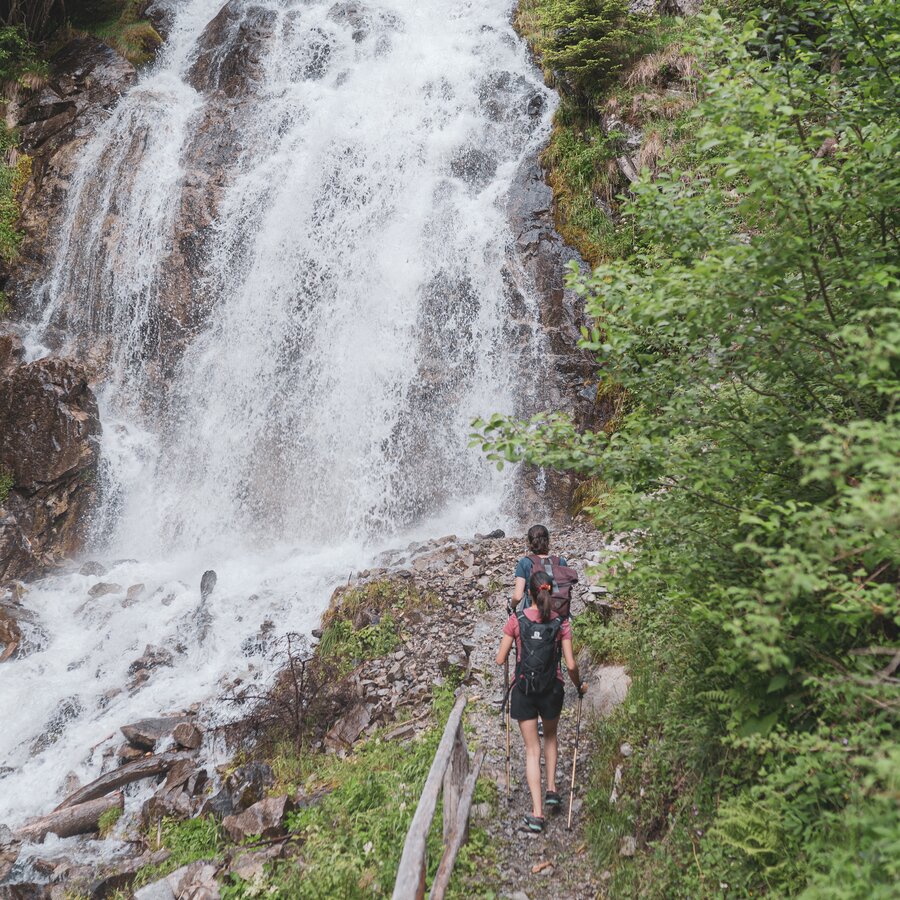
524	567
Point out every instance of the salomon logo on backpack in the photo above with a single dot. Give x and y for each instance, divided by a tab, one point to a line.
536	670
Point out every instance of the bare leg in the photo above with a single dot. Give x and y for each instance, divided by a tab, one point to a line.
551	751
533	764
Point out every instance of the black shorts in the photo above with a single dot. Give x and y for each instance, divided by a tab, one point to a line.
524	707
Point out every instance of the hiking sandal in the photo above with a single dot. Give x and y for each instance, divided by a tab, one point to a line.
534	823
552	801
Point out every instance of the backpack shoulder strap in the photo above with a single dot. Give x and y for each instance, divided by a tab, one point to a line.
536	562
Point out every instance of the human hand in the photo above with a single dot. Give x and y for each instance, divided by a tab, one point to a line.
582	688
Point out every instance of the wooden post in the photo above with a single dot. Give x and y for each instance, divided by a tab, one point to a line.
454	780
460	831
410	881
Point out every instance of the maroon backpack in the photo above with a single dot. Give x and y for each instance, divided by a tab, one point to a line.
563	579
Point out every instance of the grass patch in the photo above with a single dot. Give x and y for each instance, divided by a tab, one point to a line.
380	596
349	647
188	841
108	820
119	24
352	838
606	642
6	485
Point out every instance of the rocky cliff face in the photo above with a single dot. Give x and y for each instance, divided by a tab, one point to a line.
48	450
55	123
49	424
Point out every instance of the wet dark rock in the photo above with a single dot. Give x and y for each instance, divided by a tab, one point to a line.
352	15
9	850
86	78
160	13
10	633
241	789
127	753
67	709
146	733
152	658
12	350
119	877
474	166
177	797
231	49
188	735
208	583
102	588
133	594
265	818
49	427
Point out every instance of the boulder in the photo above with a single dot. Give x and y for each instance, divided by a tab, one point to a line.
231	49
49	428
152	658
146	733
102	588
349	727
188	735
264	819
241	789
10	634
177	796
9	850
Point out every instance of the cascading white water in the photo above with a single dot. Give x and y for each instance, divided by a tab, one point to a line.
291	235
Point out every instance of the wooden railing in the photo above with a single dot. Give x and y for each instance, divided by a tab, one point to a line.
453	771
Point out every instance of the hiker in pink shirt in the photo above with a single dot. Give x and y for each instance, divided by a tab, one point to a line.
541	637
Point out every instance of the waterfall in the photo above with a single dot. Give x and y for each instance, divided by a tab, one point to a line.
289	240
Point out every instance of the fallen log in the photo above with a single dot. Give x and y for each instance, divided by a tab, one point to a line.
133	771
79	819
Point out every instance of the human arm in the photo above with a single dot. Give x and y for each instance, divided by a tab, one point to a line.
518	590
505	647
571	666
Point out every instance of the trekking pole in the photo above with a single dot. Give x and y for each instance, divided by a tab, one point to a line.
574	762
506	682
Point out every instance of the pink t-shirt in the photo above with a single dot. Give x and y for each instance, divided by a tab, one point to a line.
533	614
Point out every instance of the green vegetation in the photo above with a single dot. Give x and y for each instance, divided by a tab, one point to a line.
19	65
349	647
108	820
351	839
613	71
584	43
347	639
119	24
6	485
187	841
754	329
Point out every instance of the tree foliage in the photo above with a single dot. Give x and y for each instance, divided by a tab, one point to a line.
756	329
587	41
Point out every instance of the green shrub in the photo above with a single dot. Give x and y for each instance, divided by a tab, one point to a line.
585	43
756	328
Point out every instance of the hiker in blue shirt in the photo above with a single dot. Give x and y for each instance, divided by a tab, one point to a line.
538	545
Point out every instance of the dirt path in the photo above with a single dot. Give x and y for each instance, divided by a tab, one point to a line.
569	875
